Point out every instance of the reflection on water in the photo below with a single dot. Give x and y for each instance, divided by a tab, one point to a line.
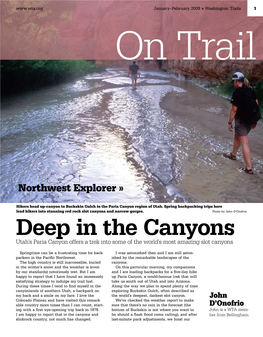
161	143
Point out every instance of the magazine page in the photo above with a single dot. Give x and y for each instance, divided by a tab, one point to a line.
131	167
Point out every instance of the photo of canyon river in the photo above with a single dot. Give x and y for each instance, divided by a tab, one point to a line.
163	142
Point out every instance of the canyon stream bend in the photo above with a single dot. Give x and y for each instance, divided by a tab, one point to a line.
160	143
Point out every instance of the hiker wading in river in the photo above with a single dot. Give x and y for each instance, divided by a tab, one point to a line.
134	72
242	129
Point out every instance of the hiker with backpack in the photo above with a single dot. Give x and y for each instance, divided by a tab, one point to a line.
245	113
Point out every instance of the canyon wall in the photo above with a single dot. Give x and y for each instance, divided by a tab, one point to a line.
215	71
211	71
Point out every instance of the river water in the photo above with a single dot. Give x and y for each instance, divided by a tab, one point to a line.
160	143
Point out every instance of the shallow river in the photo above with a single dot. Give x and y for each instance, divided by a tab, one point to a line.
160	143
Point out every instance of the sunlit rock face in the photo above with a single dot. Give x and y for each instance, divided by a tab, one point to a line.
100	23
95	27
90	30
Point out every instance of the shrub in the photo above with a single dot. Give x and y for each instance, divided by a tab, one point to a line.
32	74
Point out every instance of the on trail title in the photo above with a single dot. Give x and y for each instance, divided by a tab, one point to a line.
225	46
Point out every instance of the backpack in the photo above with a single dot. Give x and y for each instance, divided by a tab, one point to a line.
249	112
